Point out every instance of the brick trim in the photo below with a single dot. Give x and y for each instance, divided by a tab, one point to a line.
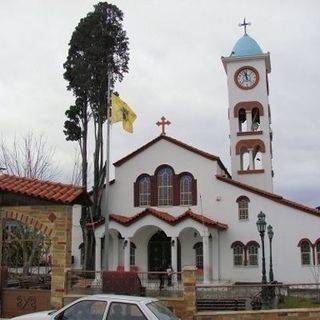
250	144
304	240
269	195
249	133
32	222
175	185
252	242
136	189
237	243
242	198
312	249
251	171
248	106
164	216
179	144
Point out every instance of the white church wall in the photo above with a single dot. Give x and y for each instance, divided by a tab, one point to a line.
163	152
219	203
290	226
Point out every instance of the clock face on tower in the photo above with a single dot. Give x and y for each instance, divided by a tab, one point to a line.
246	78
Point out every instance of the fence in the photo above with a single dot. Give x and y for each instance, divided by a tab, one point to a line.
252	294
154	284
36	278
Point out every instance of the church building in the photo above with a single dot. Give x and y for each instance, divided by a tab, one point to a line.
173	204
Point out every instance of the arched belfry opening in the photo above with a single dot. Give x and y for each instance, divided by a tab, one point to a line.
255	113
243	120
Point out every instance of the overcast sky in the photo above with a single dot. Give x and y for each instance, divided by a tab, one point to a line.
176	71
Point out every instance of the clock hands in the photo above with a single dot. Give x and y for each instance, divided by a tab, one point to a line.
246	75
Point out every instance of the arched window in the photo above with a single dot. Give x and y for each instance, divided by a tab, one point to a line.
252	250
144	191
242	120
165	186
243	208
244	159
132	254
238	254
305	249
318	252
257	158
198	247
255	119
186	190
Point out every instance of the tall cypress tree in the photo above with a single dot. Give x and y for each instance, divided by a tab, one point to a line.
99	48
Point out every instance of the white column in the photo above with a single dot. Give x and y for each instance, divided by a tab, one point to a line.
115	253
249	120
174	256
215	255
98	266
98	254
126	245
251	163
206	258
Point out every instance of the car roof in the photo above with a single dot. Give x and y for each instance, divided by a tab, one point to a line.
109	297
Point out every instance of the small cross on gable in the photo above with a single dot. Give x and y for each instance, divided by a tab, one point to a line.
163	123
244	24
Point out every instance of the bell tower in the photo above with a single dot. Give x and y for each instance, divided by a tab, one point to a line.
247	70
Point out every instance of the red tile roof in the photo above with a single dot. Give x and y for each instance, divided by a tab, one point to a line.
48	190
176	142
164	216
271	196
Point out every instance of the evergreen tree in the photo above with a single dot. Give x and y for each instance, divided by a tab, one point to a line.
98	56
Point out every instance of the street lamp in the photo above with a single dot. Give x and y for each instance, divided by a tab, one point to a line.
270	235
261	225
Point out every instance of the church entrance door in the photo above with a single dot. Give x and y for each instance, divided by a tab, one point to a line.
159	252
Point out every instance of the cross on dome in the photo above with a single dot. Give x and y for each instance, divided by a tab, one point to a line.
164	122
244	24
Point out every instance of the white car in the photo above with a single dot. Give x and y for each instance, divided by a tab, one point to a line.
107	307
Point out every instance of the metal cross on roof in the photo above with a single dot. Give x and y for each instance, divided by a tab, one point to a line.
164	122
244	24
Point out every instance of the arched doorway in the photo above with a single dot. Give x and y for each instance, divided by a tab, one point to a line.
159	252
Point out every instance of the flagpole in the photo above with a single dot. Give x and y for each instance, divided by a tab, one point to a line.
107	165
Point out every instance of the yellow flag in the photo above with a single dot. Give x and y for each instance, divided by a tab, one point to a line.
122	112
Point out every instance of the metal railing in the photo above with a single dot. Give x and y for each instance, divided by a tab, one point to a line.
279	293
36	278
153	284
159	284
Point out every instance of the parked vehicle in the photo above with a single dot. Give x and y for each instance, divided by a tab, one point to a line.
107	307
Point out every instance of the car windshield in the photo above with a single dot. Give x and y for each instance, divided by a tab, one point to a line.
161	311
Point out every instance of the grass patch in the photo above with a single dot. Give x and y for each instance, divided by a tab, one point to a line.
293	302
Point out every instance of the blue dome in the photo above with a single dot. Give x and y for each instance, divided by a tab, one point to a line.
246	46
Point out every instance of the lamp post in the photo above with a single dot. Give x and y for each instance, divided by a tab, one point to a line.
261	225
270	235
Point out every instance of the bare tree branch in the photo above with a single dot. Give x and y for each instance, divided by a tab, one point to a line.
29	156
76	177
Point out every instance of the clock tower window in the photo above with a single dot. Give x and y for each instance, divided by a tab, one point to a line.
243	120
255	119
257	159
245	159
